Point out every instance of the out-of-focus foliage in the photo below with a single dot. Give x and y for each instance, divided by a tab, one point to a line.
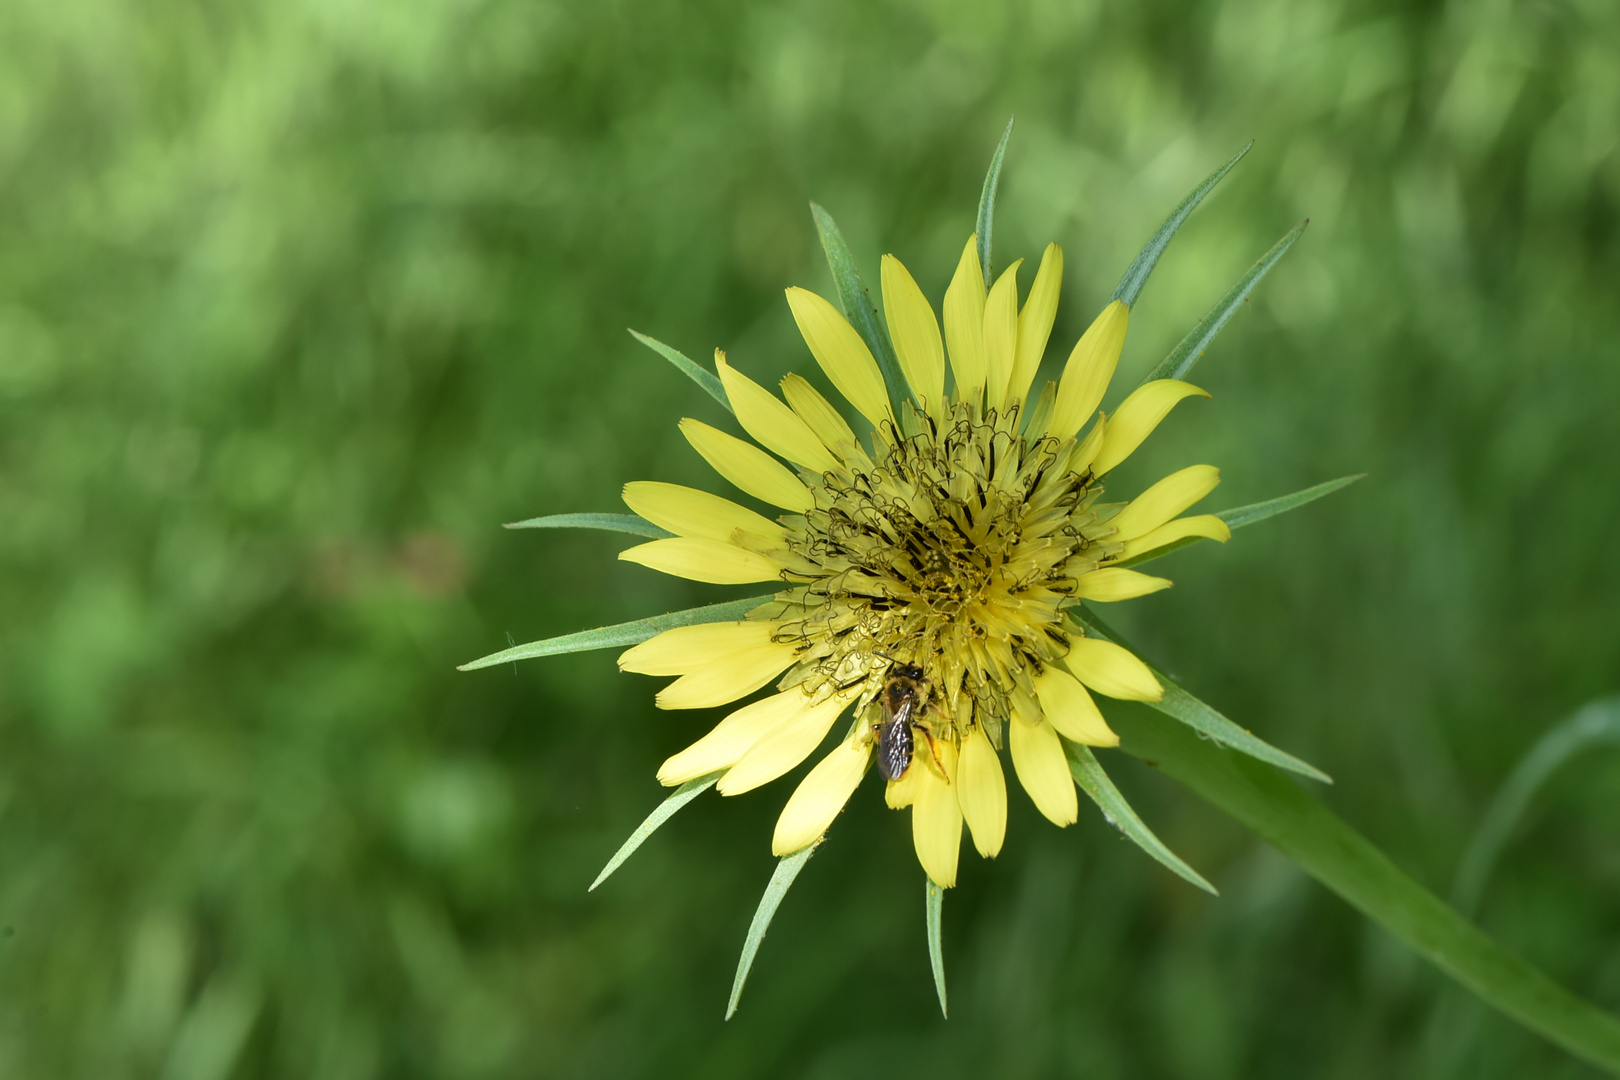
298	301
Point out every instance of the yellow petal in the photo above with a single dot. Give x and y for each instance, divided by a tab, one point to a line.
748	467
703	560
1037	755
1164	500
816	411
783	747
1000	336
964	323
936	820
1112	583
820	796
1070	709
1086	451
1040	414
1205	525
772	424
1111	670
901	793
915	332
1090	367
687	648
1035	325
842	354
732	737
687	511
727	678
981	790
1136	418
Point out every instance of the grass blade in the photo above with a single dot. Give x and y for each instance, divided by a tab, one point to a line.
856	303
621	523
1180	705
781	881
1324	846
1186	354
688	367
987	202
1239	516
1088	774
628	633
1136	275
664	811
936	952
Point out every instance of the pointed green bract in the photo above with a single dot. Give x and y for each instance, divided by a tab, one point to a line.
1186	354
781	881
1283	814
1136	275
688	367
666	810
856	304
621	523
1089	776
987	202
1200	717
1239	516
629	633
935	901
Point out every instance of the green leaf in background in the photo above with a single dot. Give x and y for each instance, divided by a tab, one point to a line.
1267	801
782	880
856	303
1186	353
1136	275
620	523
628	633
1089	776
665	810
935	901
688	367
987	203
1239	516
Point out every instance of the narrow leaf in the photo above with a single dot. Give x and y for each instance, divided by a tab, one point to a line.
622	523
1200	717
666	810
987	202
936	952
1285	816
856	304
1136	275
781	881
689	367
1088	774
1239	516
629	633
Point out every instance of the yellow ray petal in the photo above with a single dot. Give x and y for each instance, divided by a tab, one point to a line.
1037	755
732	737
1136	418
687	511
1040	414
727	678
748	467
1164	500
816	411
1109	669
901	793
981	790
820	796
1112	583
1085	452
1090	367
1206	525
783	747
1000	336
964	323
1035	325
915	332
770	423
936	819
687	648
842	354
703	560
1070	709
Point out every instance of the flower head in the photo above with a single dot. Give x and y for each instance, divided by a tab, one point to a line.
926	571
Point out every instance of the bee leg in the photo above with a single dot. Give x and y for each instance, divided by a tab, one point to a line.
933	748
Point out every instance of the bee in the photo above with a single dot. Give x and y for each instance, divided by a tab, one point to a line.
904	700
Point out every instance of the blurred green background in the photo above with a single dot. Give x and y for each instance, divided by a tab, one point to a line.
299	301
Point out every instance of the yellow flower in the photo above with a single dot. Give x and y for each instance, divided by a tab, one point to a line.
926	573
